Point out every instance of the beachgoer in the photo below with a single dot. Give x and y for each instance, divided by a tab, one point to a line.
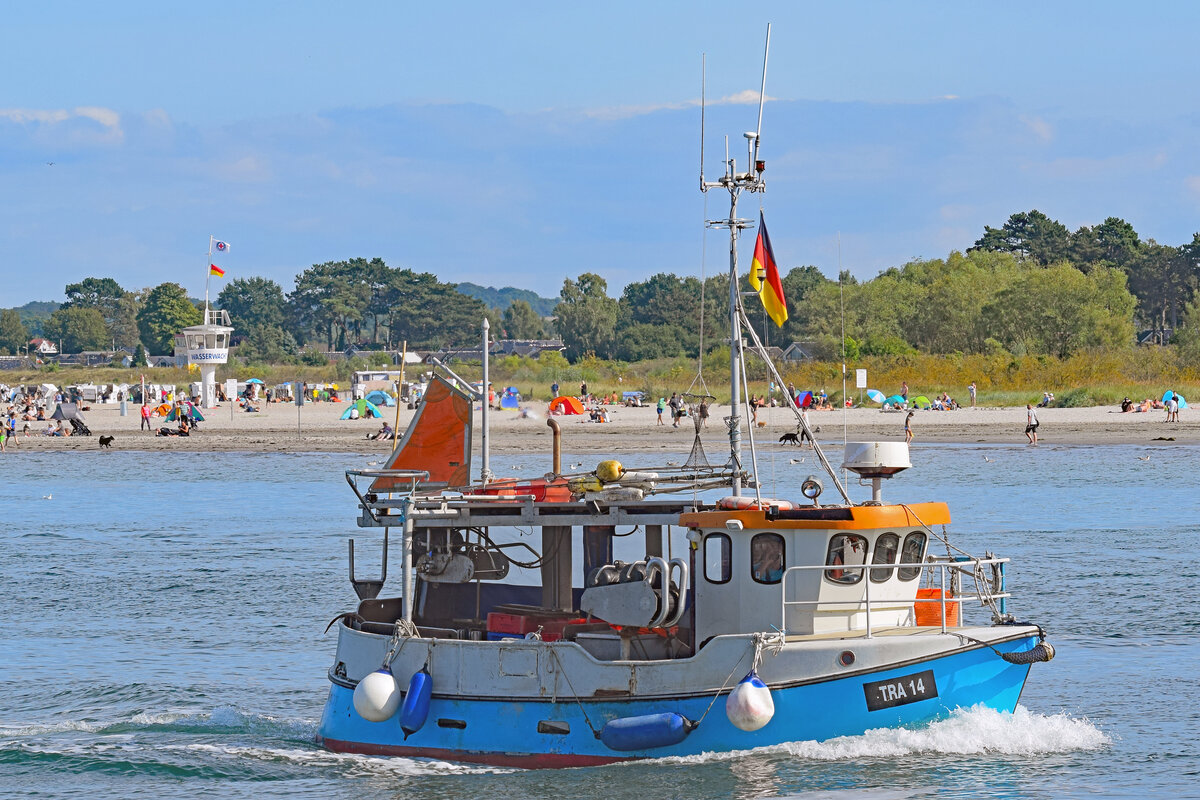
1031	424
704	413
662	404
908	434
971	389
554	390
675	403
146	417
904	391
583	392
804	430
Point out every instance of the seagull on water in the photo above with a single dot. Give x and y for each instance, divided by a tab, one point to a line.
1145	458
988	460
48	497
796	461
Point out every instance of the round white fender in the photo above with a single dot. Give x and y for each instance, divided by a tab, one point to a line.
750	705
377	696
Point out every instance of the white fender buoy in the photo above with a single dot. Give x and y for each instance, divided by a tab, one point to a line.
750	705
377	696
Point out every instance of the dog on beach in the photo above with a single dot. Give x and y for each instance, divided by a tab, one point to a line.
106	441
790	438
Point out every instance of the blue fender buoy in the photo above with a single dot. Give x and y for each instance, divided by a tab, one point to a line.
416	703
646	732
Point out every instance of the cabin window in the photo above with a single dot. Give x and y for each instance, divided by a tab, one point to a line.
718	558
846	550
886	548
767	559
913	553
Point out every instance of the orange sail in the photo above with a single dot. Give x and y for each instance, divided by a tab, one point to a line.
438	440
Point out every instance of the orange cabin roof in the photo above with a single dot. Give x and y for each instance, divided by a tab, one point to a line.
859	517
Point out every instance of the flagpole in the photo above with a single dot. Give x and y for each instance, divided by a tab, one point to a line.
207	277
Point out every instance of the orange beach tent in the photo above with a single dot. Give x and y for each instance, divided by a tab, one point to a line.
566	405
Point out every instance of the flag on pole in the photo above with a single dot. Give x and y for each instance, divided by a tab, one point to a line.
213	269
220	246
764	276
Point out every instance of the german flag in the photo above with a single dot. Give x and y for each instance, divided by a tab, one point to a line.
213	269
764	276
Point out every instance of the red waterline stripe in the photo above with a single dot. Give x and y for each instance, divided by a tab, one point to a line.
523	761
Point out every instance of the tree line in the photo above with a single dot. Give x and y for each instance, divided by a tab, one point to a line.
1030	287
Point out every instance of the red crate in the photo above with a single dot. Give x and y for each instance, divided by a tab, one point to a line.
521	624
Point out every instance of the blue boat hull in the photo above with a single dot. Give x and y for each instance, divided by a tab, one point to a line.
557	734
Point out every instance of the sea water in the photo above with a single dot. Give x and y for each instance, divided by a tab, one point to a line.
164	620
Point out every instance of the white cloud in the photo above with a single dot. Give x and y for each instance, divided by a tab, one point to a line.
1040	128
23	115
105	116
747	97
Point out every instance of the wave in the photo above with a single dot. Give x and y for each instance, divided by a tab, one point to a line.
225	719
977	731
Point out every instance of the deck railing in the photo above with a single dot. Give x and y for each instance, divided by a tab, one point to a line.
988	591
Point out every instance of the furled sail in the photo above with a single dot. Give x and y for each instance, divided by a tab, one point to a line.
438	440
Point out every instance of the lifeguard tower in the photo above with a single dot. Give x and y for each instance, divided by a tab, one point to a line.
206	346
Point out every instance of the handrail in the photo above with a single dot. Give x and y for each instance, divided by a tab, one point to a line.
683	590
942	565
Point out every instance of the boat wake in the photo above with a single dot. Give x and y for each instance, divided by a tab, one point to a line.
222	742
976	731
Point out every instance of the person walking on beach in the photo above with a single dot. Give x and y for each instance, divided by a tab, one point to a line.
908	437
704	413
146	418
971	389
583	393
1031	424
904	391
804	430
662	403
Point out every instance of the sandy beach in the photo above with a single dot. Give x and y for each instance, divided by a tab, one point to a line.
316	427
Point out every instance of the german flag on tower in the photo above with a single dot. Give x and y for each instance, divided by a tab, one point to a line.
764	276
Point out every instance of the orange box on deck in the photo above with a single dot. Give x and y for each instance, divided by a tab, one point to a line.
929	614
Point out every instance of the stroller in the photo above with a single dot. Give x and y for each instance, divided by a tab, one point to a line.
78	428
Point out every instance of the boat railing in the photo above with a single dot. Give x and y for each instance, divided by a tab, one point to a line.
946	572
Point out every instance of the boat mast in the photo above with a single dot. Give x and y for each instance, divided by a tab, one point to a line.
735	183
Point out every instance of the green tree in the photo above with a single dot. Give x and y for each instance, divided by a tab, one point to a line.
520	321
1032	235
1060	311
118	307
586	317
14	336
77	329
1113	241
267	344
166	311
253	302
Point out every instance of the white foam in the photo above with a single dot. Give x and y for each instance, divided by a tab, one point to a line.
975	731
65	726
391	765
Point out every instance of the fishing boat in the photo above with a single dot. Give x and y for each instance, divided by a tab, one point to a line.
517	638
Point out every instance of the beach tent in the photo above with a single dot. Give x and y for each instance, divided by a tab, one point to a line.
895	401
1167	395
921	401
875	395
67	411
365	409
196	415
380	398
566	405
511	398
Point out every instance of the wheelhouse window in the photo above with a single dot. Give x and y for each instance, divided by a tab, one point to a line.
913	552
767	558
718	558
887	546
846	550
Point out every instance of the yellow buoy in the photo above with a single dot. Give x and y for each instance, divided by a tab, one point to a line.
609	471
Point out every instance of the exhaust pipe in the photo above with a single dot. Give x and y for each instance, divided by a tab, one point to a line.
557	449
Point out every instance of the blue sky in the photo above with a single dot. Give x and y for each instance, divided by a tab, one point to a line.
520	144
